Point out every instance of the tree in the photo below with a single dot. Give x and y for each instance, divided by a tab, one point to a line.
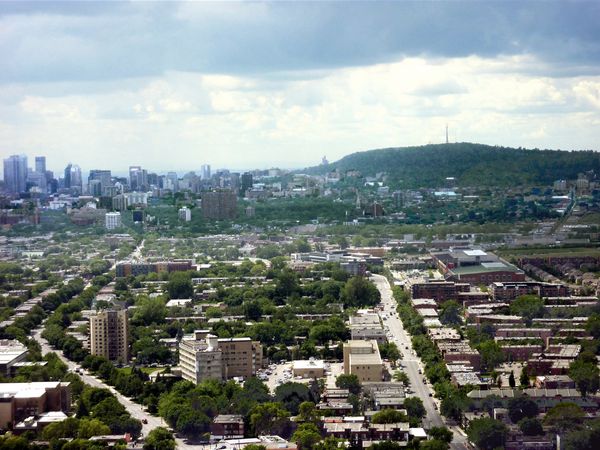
450	313
252	310
269	418
92	427
386	445
491	354
564	416
401	377
390	351
511	379
414	407
180	285
528	306
487	434
358	292
524	378
159	439
521	407
350	382
585	375
307	412
306	436
593	326
389	415
441	434
329	443
149	311
255	447
433	444
531	426
291	395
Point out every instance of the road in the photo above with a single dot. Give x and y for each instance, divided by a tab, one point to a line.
412	364
133	408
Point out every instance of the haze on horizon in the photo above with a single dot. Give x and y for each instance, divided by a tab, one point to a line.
171	85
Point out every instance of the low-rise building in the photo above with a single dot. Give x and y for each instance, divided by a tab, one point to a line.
227	426
309	368
11	353
362	358
18	401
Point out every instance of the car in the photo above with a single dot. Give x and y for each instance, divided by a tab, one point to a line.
145	421
430	394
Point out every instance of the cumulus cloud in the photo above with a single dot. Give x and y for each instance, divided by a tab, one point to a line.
175	85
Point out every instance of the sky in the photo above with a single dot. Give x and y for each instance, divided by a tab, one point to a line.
172	86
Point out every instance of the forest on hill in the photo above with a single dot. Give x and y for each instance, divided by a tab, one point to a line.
471	165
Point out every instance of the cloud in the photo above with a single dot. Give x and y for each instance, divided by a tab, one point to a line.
47	41
185	119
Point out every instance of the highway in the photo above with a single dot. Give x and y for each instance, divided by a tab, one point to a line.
411	364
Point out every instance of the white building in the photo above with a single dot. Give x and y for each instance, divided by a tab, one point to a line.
112	220
185	214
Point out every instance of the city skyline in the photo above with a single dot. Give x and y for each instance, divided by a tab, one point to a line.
258	85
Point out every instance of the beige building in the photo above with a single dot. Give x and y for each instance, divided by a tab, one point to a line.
362	358
309	368
109	332
18	401
203	356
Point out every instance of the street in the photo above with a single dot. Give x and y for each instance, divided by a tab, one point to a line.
412	363
133	408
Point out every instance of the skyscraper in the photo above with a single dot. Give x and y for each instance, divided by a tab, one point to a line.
205	171
138	178
67	179
247	182
15	173
40	164
76	179
105	179
40	171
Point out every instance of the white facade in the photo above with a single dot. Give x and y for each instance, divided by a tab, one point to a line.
185	214
112	220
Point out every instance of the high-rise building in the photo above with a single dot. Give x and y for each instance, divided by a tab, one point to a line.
67	179
109	333
40	164
76	178
203	356
15	173
112	220
219	205
40	170
138	178
205	171
247	183
103	176
171	182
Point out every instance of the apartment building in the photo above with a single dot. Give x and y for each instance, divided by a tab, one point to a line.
439	291
203	356
362	358
109	333
510	291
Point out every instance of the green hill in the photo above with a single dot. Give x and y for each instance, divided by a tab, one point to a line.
470	164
